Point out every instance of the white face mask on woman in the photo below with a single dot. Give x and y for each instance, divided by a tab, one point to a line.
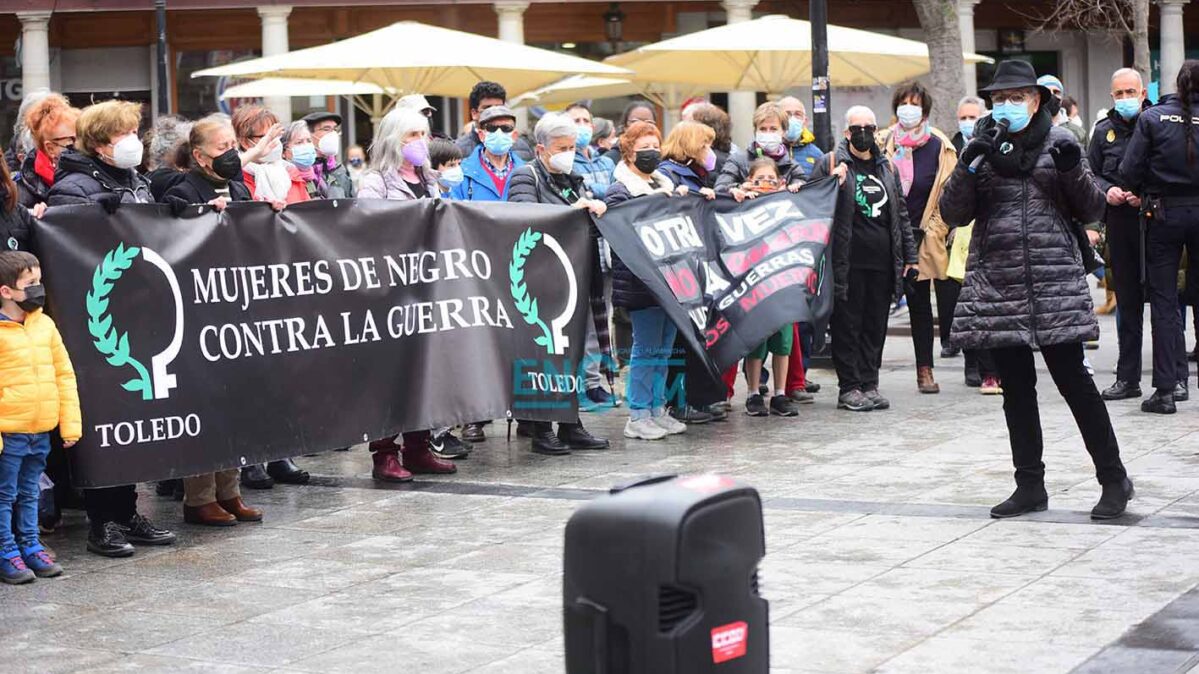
127	152
563	162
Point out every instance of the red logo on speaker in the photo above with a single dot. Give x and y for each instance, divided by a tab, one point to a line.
707	483
729	642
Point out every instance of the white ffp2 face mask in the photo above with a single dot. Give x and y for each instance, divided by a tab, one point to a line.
127	152
330	144
563	162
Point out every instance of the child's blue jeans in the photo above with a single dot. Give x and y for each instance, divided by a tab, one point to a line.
21	464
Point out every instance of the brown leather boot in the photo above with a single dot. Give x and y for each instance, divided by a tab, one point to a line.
1110	306
209	515
388	467
238	508
925	382
418	458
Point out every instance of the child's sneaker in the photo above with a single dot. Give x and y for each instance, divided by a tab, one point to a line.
38	560
13	570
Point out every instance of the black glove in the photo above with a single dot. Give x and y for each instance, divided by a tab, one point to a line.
177	204
981	145
1066	155
111	201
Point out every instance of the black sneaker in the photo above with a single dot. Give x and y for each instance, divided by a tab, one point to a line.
691	415
755	406
599	397
854	401
143	532
1181	392
1161	402
880	403
1122	390
949	351
448	446
811	386
717	411
802	397
783	406
473	433
107	539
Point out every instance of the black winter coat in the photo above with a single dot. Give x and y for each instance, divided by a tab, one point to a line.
31	189
532	184
1106	150
1025	284
1155	162
903	245
628	291
81	180
735	170
15	225
196	189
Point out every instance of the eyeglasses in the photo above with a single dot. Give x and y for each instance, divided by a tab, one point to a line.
1017	97
868	128
63	141
506	128
327	129
766	181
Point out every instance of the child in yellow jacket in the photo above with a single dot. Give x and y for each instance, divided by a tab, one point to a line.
39	395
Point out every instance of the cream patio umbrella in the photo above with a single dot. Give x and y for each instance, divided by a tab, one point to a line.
586	87
411	57
774	53
281	86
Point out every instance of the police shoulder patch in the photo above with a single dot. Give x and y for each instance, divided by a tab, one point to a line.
1111	135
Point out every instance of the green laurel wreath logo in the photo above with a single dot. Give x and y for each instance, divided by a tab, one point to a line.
526	304
112	345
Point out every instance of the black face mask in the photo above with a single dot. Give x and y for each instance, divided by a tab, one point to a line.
647	160
35	298
861	139
227	165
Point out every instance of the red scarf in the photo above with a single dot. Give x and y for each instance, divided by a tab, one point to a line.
43	167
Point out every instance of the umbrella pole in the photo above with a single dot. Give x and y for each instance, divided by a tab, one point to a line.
822	123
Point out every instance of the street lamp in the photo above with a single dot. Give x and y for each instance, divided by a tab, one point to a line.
614	23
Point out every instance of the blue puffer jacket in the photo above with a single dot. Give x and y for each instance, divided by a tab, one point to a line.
805	153
477	184
682	174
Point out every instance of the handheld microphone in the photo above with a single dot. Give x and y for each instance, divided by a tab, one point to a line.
1000	130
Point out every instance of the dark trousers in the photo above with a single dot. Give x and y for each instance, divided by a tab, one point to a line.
920	311
1124	267
1065	363
699	388
111	504
1178	227
981	361
859	329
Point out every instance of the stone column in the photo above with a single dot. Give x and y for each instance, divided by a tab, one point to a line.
35	51
274	41
966	26
1173	50
741	104
511	16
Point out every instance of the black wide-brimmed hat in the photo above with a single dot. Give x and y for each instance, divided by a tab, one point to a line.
1016	75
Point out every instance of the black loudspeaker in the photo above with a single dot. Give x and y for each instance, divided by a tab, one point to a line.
661	577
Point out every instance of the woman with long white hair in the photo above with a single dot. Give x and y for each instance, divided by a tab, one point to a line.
399	165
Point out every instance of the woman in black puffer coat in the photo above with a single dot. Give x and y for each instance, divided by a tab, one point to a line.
1025	283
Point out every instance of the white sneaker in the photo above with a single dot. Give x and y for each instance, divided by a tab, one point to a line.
644	429
669	424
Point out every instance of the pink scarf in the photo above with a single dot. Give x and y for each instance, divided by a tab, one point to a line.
906	143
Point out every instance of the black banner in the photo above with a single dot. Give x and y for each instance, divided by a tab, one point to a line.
730	275
218	340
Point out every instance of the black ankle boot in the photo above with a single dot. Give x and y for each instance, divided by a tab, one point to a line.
1026	499
1114	500
1161	402
107	540
575	436
545	440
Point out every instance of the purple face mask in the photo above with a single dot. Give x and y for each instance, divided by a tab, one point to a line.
710	160
416	152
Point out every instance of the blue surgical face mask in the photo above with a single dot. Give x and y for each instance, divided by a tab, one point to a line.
1016	115
583	139
497	142
966	126
303	155
794	129
1128	107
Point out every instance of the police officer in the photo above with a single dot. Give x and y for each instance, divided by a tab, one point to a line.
1122	221
1162	165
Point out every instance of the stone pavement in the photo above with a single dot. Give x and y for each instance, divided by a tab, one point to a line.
880	554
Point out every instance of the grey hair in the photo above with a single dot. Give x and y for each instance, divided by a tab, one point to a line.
793	98
603	127
1129	71
20	134
553	125
163	140
860	110
386	150
972	100
291	130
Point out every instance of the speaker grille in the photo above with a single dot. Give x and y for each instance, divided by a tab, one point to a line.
753	584
674	606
